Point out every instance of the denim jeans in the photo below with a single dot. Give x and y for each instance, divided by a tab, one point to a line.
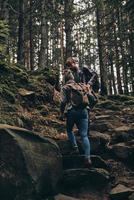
80	118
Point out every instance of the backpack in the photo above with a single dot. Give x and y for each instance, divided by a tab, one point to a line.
78	95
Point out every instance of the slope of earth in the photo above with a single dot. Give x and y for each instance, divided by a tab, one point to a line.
30	101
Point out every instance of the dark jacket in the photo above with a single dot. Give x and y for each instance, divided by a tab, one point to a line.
90	77
86	75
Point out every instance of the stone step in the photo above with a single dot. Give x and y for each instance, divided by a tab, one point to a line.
120	192
77	161
98	141
80	177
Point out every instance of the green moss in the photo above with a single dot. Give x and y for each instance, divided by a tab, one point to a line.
8	119
26	121
108	105
120	98
130	102
4	69
8	95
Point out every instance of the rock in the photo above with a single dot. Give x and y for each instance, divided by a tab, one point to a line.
101	126
124	129
23	92
103	117
120	192
120	98
75	178
131	197
77	161
29	97
31	166
64	145
123	134
121	150
119	137
98	140
64	197
107	104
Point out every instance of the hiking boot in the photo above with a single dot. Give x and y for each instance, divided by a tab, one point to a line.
74	151
88	162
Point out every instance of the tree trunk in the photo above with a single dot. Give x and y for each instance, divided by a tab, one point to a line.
124	64
62	43
20	53
113	79
132	60
31	37
103	71
119	84
4	12
68	26
43	57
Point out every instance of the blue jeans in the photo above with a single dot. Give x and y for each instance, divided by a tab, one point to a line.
80	118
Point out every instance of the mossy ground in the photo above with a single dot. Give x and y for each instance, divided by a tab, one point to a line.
33	108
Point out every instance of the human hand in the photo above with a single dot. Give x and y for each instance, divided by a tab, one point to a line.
87	88
61	117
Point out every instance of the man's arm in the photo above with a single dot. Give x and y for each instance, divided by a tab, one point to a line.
64	100
90	77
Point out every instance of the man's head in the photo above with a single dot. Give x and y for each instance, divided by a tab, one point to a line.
72	63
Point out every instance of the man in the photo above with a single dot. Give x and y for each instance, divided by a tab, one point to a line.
75	114
83	75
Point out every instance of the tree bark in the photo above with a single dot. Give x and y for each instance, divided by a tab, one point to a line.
20	53
103	71
68	26
124	64
31	37
112	74
119	84
132	60
43	57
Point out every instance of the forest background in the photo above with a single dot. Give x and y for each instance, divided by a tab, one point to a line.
41	34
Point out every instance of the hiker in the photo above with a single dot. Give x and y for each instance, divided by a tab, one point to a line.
83	75
76	113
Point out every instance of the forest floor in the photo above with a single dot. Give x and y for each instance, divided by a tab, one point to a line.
30	101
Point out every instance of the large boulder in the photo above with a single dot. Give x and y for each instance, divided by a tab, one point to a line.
31	166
